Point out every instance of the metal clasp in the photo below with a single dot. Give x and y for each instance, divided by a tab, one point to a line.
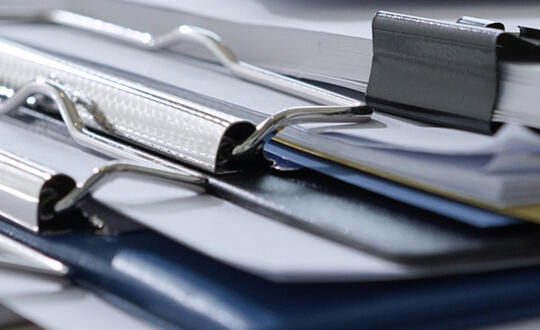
35	197
32	195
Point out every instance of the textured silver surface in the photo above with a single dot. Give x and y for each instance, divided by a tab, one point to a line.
162	122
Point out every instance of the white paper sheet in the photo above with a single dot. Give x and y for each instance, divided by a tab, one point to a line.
54	304
408	136
347	17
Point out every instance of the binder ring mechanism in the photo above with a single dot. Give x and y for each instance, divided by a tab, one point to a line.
39	199
48	195
341	108
34	196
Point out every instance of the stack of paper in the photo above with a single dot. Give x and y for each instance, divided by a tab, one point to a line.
518	93
314	40
501	170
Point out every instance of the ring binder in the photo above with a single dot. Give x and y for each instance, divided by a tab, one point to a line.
345	109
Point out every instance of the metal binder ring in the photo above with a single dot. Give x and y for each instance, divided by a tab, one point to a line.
103	175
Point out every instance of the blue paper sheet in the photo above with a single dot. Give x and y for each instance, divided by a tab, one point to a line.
468	214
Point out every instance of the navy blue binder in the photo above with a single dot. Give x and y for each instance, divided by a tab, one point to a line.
173	286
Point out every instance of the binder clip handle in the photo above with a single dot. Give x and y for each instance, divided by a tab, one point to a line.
37	197
475	21
105	174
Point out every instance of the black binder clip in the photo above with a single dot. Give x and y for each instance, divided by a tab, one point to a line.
441	72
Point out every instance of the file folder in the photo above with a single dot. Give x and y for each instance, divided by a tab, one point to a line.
161	279
290	139
333	210
174	287
131	143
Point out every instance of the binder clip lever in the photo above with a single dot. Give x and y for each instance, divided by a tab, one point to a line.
35	195
39	199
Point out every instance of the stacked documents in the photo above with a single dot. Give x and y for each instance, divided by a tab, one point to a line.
192	233
499	171
336	49
518	101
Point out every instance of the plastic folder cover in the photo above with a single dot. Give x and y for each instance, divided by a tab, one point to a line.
183	288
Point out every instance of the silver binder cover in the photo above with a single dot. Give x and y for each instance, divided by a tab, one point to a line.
27	190
162	122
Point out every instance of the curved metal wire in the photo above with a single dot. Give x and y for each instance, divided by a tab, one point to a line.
103	175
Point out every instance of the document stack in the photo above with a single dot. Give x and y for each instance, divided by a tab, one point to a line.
268	165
